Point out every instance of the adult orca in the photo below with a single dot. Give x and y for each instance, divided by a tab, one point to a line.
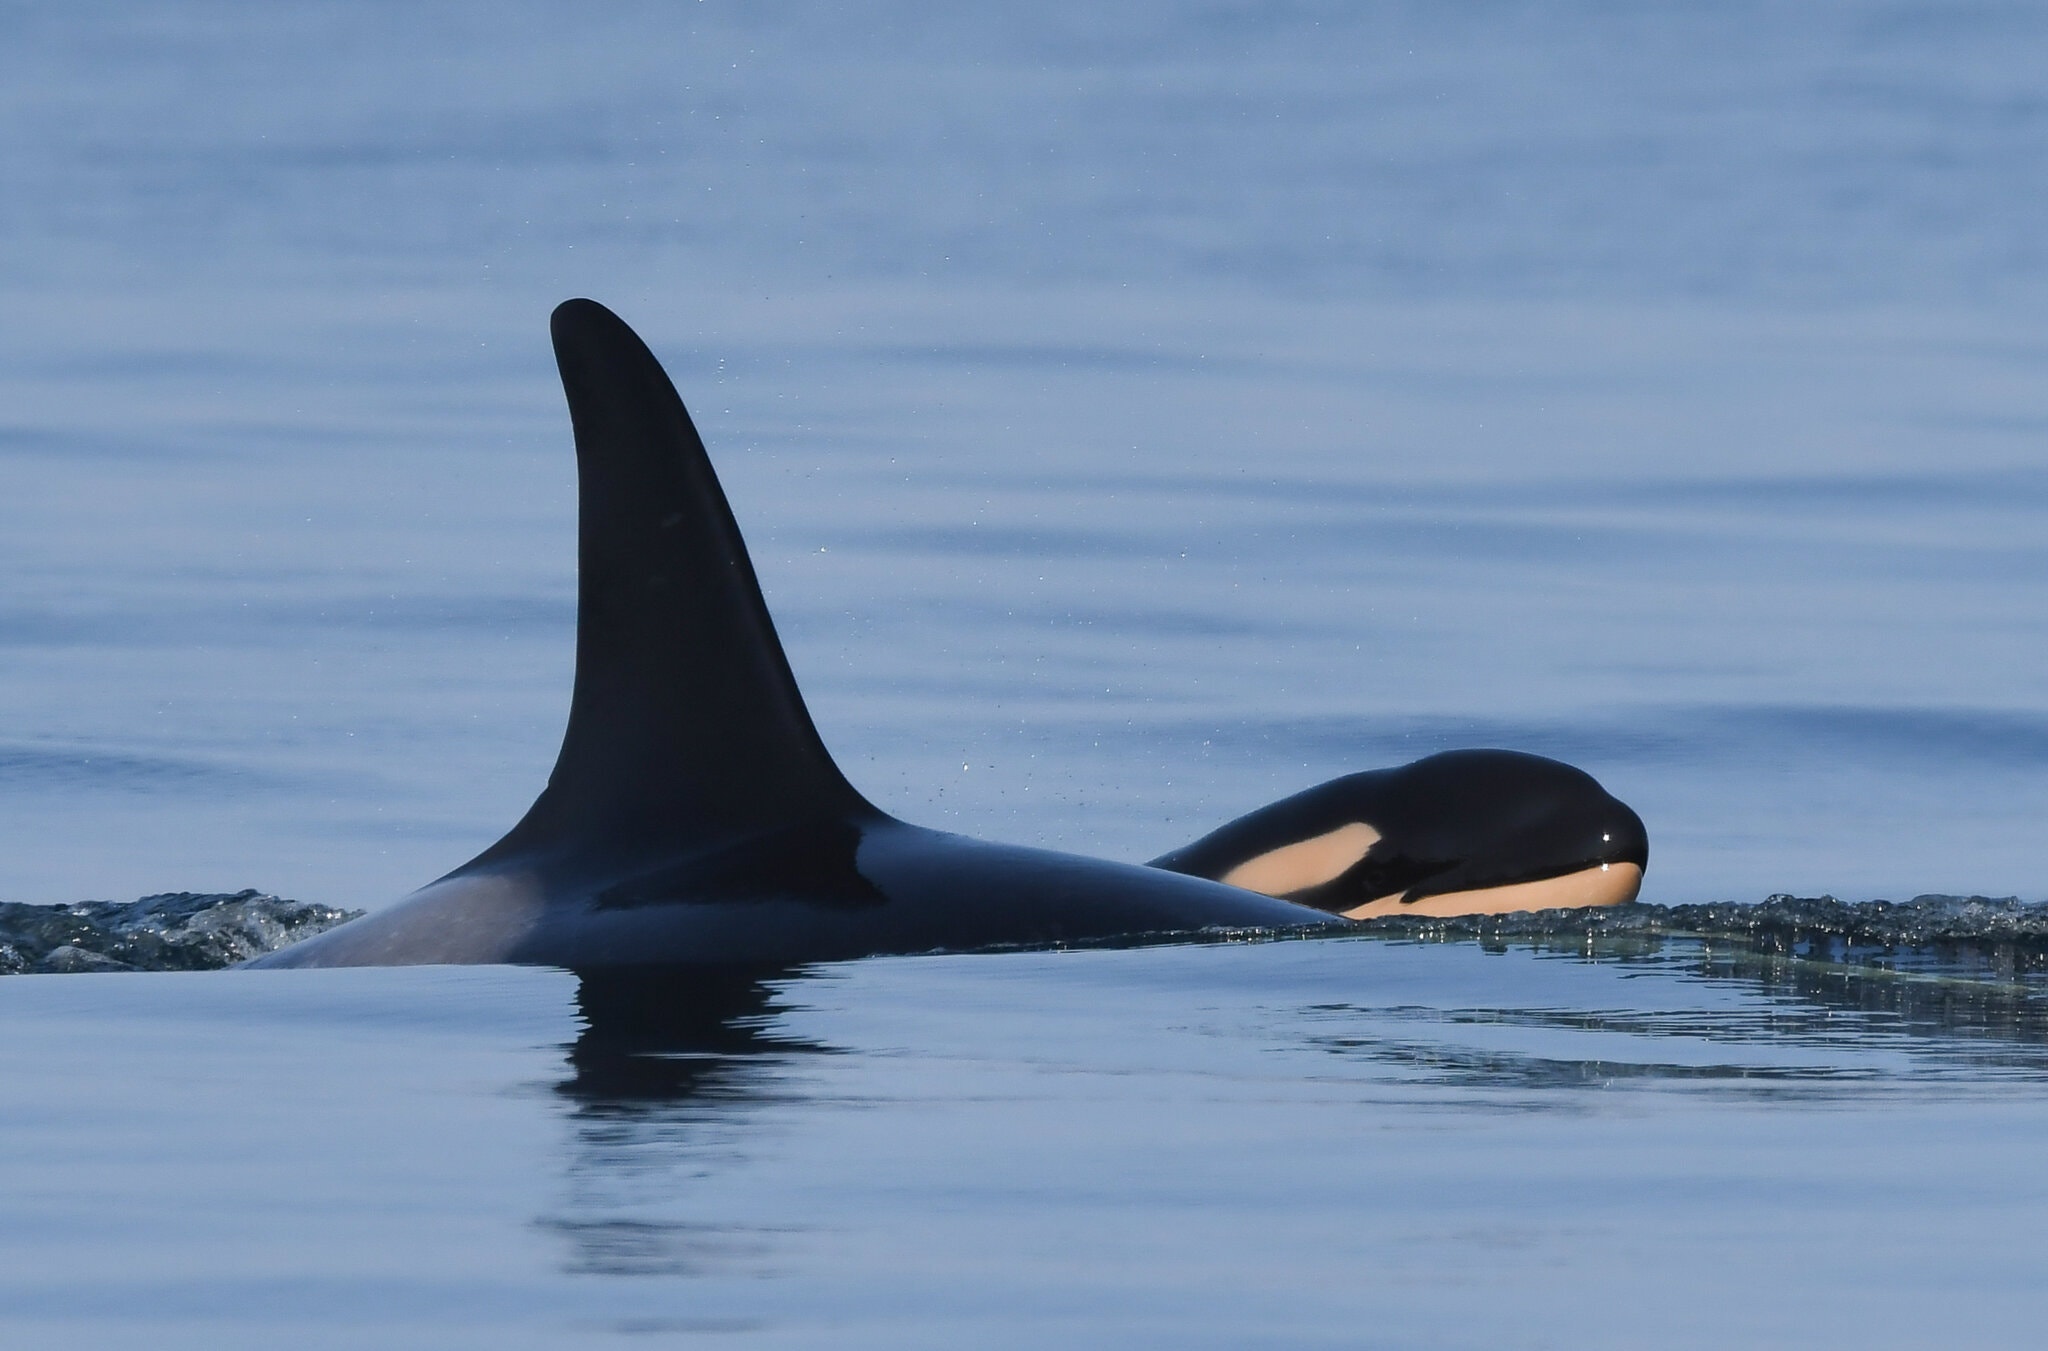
694	817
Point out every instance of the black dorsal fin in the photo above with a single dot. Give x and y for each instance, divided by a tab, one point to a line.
686	726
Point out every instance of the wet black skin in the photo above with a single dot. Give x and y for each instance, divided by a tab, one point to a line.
864	884
693	816
1460	821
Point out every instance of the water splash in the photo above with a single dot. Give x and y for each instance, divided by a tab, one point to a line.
2003	936
173	931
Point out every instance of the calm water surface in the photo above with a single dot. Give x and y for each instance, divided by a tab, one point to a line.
1136	415
1316	1143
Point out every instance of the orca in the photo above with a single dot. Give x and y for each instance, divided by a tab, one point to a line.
695	818
1459	833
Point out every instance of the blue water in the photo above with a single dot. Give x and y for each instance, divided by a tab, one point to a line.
1323	1143
1136	414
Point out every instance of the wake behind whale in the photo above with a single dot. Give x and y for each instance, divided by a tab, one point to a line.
694	815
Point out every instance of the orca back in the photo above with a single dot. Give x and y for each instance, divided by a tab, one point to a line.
694	816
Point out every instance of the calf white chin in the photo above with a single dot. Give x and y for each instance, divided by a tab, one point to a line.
1602	884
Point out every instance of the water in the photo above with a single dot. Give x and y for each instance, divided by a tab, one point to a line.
1318	1143
1136	415
174	931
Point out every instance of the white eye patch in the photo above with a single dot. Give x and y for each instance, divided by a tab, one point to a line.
1305	863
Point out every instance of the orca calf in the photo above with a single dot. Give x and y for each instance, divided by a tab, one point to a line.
1461	833
694	816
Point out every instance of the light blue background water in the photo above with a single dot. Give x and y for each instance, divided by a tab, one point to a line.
1136	414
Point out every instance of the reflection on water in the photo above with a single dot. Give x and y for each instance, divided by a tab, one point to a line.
665	1035
686	1089
1780	1010
664	1075
1956	1009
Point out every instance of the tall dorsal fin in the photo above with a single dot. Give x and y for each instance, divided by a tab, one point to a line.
686	725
